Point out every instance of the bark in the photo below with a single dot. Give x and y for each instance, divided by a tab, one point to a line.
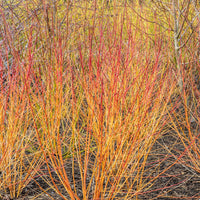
176	45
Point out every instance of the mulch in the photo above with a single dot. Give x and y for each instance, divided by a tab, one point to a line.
179	181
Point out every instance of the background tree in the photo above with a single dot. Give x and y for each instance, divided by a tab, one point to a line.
181	18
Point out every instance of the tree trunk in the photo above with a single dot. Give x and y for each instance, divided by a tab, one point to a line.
176	45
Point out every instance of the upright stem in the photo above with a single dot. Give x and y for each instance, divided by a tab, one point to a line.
176	46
